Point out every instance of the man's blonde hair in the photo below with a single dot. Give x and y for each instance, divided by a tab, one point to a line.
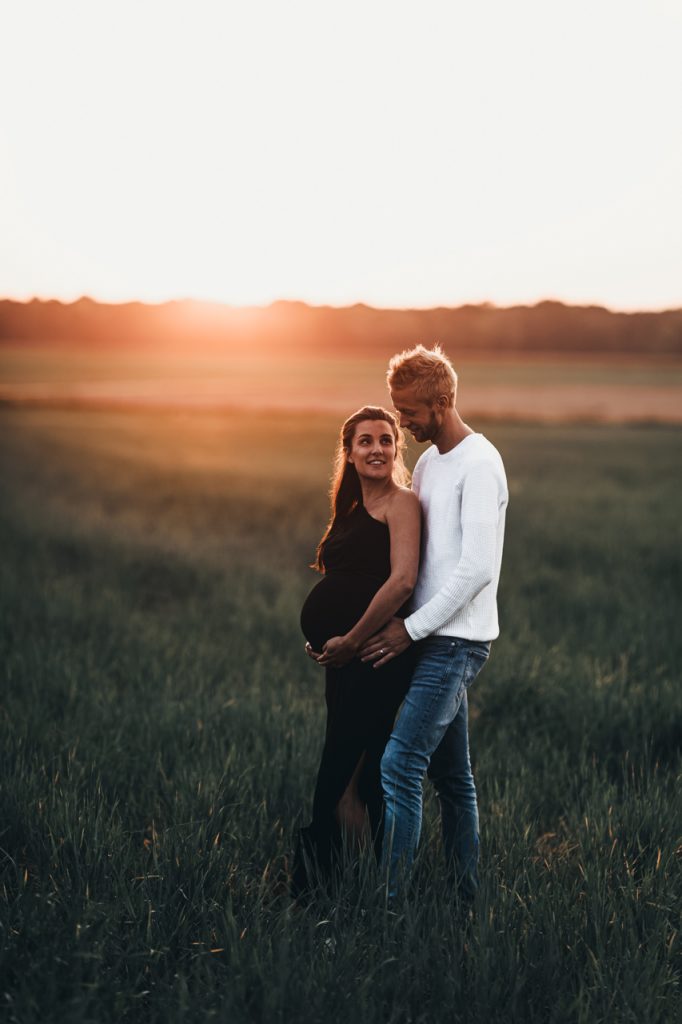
428	371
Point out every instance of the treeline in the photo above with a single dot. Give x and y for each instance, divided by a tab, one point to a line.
359	330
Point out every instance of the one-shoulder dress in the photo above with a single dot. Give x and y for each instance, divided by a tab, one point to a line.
362	701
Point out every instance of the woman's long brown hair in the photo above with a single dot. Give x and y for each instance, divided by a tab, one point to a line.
345	492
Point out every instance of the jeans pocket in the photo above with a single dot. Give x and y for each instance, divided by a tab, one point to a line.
476	659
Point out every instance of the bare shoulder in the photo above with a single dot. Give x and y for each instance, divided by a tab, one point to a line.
403	502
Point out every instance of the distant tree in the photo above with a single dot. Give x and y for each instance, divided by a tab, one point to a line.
359	330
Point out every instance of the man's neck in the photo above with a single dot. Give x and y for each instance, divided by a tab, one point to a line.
452	431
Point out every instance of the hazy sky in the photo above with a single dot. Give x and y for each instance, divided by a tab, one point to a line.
395	153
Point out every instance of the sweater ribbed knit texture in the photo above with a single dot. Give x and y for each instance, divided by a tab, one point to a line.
464	496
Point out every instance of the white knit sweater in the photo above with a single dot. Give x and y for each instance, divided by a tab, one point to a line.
463	495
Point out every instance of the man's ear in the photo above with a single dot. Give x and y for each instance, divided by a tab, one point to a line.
443	402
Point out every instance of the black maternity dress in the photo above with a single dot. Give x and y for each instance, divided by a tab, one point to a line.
362	701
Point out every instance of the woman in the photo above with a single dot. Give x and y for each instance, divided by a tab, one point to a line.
369	556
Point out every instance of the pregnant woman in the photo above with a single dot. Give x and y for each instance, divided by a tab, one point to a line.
369	556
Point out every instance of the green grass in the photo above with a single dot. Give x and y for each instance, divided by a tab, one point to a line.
160	730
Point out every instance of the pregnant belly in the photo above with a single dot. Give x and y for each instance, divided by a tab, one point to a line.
334	605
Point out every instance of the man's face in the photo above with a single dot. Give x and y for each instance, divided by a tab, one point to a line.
423	419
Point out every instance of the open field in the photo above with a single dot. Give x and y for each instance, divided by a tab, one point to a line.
575	387
160	728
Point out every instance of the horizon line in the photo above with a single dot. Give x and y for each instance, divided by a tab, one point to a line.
483	304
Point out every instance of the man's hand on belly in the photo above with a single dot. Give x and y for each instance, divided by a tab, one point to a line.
388	643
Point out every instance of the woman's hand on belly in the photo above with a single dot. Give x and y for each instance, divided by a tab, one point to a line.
338	651
315	655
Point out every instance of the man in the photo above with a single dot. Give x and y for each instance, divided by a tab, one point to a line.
462	488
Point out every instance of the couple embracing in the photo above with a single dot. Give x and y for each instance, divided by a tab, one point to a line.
402	621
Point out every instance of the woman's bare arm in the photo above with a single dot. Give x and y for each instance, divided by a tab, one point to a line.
403	518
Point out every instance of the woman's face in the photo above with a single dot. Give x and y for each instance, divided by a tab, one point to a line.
373	450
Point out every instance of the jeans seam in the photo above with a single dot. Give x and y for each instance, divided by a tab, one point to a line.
446	671
435	696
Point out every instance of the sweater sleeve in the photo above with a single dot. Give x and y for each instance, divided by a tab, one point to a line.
481	500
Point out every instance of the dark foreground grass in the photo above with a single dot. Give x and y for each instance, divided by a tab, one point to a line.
160	729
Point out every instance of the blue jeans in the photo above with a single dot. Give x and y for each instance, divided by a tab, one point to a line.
432	734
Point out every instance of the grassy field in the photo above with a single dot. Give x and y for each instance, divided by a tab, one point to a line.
545	387
160	729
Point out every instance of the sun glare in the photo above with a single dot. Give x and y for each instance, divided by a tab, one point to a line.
392	154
